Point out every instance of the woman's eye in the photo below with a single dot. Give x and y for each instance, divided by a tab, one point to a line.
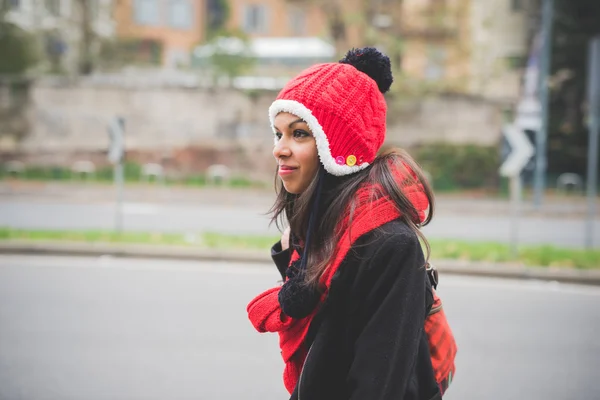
300	133
278	135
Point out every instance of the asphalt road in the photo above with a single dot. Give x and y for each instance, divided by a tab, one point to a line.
104	328
563	231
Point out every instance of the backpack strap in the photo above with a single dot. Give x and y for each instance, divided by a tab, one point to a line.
432	274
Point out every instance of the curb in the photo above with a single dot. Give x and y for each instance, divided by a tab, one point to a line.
452	267
518	271
131	251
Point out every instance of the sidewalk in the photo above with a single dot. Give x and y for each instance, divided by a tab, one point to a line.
455	267
555	206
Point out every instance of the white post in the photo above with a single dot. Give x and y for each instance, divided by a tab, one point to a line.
119	206
521	152
116	132
515	213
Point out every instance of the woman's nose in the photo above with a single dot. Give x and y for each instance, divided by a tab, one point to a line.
281	149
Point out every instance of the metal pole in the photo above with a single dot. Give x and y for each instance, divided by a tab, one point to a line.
594	127
515	208
542	134
119	205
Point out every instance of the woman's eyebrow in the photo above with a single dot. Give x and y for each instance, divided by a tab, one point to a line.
291	124
295	122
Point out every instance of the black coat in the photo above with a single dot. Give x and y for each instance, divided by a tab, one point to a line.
367	341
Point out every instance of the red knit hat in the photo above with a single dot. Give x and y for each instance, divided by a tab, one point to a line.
343	105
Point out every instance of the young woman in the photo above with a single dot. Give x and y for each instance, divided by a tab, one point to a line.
353	305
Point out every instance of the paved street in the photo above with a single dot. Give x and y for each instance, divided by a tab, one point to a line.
65	214
104	328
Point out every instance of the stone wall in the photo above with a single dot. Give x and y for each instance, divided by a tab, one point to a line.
189	129
445	118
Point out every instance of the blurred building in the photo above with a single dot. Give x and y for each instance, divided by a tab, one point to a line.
58	24
465	46
176	25
467	54
461	46
282	37
499	42
277	18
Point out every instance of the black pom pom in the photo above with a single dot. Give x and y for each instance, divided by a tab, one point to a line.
373	63
296	298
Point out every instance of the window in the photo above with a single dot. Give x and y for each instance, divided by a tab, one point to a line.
180	14
436	59
52	7
216	14
297	21
146	12
255	18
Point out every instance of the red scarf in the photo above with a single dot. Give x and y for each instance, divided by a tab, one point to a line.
371	212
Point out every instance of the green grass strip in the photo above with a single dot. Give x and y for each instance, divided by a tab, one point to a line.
545	256
203	240
440	249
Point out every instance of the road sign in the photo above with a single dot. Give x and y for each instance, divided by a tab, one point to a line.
521	151
529	109
116	130
529	114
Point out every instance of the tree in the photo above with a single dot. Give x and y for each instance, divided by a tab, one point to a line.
226	56
87	42
19	55
16	45
575	23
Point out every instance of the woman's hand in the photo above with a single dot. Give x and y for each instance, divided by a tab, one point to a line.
285	239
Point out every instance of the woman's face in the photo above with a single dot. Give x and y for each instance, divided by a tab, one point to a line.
295	151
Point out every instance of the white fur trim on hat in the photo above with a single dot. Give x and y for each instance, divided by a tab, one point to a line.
323	149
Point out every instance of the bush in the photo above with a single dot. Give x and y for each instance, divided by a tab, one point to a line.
239	181
18	49
132	173
37	173
196	180
105	174
454	167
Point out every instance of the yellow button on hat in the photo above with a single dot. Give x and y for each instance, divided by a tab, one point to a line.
351	160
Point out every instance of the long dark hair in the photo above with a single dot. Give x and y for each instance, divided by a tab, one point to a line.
339	197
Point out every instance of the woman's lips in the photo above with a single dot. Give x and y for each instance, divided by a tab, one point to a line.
285	170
